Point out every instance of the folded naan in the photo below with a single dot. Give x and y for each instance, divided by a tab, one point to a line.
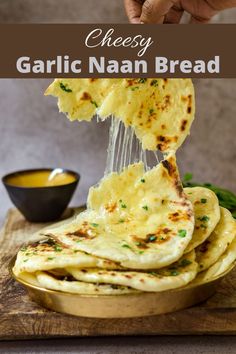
48	281
216	244
206	212
141	220
161	111
172	277
48	254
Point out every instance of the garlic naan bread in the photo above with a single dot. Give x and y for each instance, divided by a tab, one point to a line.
206	213
50	282
223	264
161	111
141	220
216	244
172	277
48	254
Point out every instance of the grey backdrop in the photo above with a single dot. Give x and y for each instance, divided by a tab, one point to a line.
34	134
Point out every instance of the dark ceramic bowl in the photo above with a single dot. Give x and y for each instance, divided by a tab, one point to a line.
40	203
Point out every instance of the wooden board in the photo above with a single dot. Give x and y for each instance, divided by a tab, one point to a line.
21	318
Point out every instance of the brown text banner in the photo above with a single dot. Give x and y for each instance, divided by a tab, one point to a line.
115	50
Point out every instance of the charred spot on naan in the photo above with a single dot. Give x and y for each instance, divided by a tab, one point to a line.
163	142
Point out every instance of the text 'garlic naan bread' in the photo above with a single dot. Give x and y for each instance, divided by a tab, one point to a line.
140	220
216	244
206	213
172	277
161	111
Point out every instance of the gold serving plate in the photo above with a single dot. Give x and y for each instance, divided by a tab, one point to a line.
121	306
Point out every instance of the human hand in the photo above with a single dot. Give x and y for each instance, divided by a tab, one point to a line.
171	11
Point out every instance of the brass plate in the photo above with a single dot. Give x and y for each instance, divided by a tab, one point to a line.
121	306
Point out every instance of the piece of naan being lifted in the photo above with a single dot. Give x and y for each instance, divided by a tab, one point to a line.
206	213
212	249
161	111
48	254
176	275
65	284
141	220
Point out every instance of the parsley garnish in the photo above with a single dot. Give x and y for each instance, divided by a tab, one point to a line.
50	258
123	206
126	246
203	200
145	207
204	218
95	103
153	273
141	252
143	180
65	87
182	233
185	262
151	111
94	224
121	221
152	238
57	248
134	88
25	260
142	81
154	83
174	272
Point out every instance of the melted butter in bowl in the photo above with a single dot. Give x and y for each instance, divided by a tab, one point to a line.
41	195
41	178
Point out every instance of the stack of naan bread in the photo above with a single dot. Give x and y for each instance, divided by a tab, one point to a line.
141	230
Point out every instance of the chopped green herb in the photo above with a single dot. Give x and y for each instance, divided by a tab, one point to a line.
27	253
204	218
123	206
151	111
76	251
95	103
143	180
154	83
94	224
182	233
142	81
174	273
25	260
203	200
145	207
120	201
134	88
23	249
152	238
141	252
185	262
126	246
153	273
50	258
138	243
65	87
187	177
121	221
57	248
203	226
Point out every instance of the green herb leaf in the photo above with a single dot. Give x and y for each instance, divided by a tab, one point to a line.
126	246
143	180
121	221
187	177
174	273
204	218
134	88
182	233
94	224
152	238
185	262
95	103
154	83
123	206
151	111
203	200
50	258
65	87
145	207
142	81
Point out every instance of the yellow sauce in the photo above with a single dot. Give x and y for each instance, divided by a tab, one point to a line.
40	179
